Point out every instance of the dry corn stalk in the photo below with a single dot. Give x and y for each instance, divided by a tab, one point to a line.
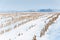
34	38
47	26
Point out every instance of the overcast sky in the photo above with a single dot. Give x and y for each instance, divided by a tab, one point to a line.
28	4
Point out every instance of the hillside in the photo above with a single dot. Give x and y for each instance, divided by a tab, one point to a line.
30	26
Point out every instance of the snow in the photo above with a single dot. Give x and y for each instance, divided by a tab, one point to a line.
53	32
31	28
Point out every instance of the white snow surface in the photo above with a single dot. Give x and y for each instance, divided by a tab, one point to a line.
31	28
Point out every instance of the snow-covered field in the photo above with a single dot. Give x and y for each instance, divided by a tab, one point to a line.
30	26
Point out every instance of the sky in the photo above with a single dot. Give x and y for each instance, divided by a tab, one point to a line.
20	5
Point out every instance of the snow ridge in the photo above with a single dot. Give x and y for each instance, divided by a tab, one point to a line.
28	26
